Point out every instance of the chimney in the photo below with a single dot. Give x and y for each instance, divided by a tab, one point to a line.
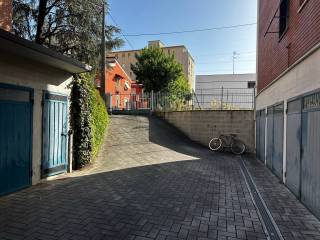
6	14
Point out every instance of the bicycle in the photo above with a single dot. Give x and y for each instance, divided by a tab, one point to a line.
227	141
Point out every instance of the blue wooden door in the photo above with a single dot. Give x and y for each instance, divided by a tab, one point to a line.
55	137
15	138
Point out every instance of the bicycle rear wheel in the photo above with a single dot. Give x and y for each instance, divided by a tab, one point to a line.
215	144
238	147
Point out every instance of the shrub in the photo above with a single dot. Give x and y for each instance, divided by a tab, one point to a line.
99	120
89	119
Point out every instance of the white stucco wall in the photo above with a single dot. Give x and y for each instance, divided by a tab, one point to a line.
23	72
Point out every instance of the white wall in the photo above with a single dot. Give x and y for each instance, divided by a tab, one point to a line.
236	93
39	77
205	82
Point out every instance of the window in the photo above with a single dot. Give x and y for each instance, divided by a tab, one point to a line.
129	54
251	84
284	17
123	55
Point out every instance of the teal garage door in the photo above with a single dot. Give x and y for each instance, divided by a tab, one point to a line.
15	138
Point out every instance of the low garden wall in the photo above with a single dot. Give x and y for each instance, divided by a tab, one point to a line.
202	125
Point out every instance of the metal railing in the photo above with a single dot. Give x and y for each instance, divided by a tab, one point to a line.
205	99
226	98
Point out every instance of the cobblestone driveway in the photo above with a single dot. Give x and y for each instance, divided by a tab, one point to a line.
149	182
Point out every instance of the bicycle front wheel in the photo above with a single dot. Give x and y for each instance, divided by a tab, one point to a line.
238	147
215	144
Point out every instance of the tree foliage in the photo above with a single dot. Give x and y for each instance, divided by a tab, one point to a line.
71	27
179	86
155	70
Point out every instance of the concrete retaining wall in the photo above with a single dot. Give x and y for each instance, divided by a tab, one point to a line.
201	126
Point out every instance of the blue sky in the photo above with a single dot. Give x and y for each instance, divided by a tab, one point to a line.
212	50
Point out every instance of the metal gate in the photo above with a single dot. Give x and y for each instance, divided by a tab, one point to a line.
260	136
310	160
269	137
277	156
130	103
294	146
55	134
275	139
15	138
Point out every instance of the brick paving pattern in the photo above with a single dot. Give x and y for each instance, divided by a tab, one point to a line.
292	218
149	182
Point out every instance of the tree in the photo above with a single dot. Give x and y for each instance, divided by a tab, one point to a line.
71	27
155	70
179	87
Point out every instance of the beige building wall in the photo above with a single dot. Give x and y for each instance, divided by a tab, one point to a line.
20	72
181	54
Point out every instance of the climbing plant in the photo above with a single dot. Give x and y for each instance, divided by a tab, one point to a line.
89	119
99	118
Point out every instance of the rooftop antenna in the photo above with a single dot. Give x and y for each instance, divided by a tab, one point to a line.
234	57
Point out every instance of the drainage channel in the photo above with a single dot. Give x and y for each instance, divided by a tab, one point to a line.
270	227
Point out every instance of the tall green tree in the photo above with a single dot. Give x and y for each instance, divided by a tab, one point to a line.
155	70
71	27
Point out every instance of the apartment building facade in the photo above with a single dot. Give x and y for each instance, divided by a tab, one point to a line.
181	54
288	98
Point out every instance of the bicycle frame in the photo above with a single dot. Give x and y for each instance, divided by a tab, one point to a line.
227	140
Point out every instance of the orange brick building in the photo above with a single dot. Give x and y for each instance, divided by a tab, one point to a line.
118	84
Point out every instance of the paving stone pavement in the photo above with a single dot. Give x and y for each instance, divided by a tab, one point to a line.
292	218
148	182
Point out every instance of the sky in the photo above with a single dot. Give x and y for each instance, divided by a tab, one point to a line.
211	50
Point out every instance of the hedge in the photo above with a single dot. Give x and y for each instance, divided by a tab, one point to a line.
99	120
89	120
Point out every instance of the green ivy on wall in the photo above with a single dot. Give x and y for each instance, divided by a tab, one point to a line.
89	119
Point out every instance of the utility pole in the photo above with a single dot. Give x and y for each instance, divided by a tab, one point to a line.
103	53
